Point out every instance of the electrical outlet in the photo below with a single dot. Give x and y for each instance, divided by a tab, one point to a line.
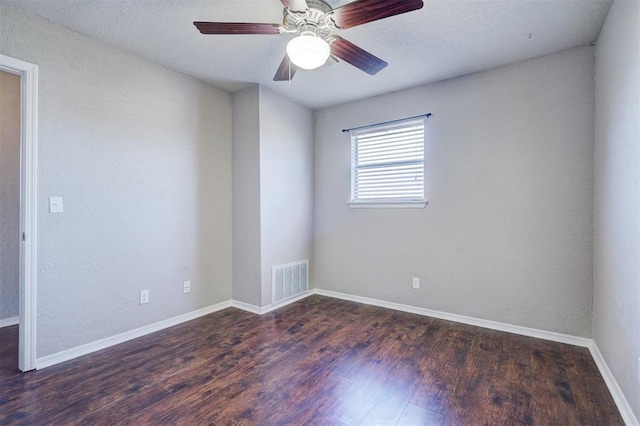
187	286
416	282
144	296
639	369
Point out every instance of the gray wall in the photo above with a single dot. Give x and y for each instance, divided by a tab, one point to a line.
272	189
247	286
9	194
142	157
509	178
286	179
616	307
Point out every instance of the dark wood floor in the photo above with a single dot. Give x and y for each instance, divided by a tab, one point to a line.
317	361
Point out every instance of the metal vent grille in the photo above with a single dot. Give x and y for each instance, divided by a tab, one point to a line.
289	280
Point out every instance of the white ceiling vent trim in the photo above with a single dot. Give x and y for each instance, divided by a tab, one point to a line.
289	280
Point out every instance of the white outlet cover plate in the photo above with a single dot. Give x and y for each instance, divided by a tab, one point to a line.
144	297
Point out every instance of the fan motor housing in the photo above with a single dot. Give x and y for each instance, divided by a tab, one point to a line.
315	19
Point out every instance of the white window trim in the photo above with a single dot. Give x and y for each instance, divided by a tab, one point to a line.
388	205
382	203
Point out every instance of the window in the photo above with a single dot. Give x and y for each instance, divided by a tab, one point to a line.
387	165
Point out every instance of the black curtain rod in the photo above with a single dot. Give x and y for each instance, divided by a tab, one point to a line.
387	122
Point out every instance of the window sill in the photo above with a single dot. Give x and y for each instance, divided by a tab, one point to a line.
388	205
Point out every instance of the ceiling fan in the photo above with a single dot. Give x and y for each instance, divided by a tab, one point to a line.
314	25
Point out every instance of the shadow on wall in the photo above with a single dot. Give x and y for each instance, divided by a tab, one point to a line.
212	161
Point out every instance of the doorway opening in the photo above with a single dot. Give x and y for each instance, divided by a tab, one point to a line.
9	217
27	236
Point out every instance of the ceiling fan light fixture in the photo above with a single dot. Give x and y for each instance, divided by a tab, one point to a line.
308	51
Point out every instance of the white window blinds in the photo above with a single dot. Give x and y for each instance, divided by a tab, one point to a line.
387	163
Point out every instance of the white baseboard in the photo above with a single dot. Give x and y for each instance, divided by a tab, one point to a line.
246	307
623	405
72	353
493	325
264	309
9	321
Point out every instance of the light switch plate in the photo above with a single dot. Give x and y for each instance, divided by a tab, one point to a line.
55	205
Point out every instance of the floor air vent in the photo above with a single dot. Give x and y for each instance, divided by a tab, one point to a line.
289	280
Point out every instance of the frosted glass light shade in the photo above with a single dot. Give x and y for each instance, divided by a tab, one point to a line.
308	51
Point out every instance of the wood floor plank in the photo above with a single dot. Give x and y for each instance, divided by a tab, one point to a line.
9	352
588	387
510	386
445	383
415	415
323	420
350	395
554	401
318	361
392	397
476	357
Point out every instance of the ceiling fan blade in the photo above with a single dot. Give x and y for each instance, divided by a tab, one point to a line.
286	70
295	5
356	56
236	28
363	11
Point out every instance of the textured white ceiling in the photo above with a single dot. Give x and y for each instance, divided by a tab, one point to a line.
445	39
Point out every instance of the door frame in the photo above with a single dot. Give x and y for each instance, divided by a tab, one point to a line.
28	206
